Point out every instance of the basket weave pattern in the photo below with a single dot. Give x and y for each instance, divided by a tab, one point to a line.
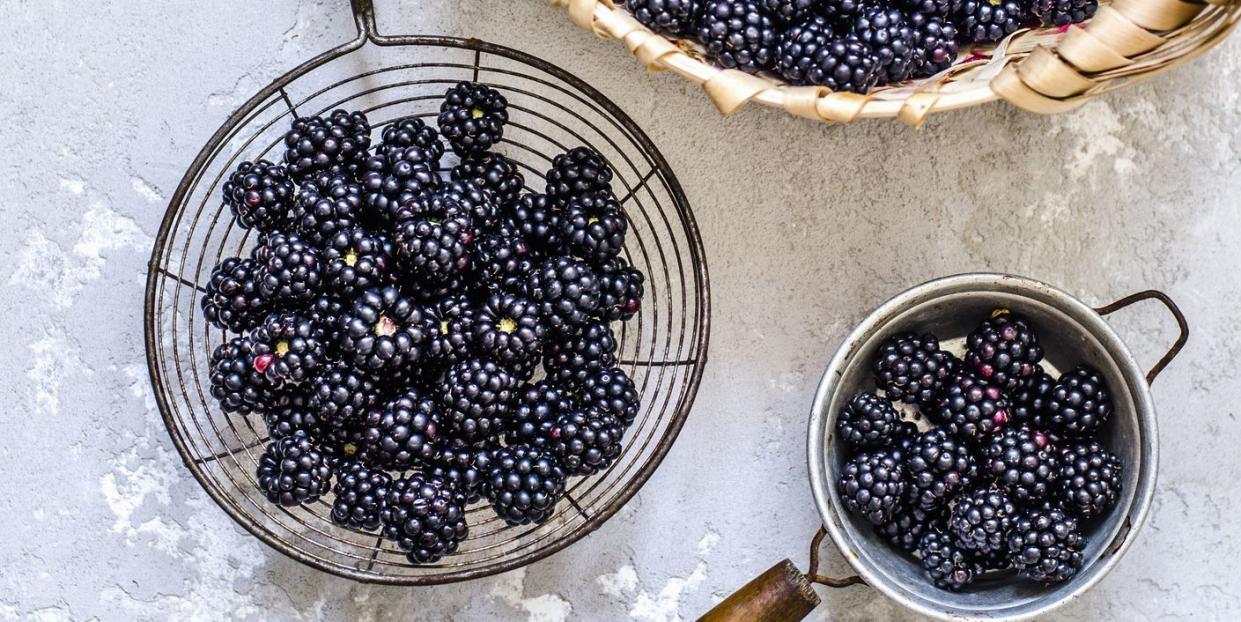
1043	70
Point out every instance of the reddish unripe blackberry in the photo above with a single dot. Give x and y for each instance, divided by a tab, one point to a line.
1003	350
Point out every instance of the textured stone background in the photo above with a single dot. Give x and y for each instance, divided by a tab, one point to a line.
806	228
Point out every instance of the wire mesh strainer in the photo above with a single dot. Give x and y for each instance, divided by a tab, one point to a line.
663	349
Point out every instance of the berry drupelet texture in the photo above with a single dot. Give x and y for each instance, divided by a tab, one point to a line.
536	219
738	34
980	520
913	369
1046	546
891	38
360	496
1089	480
586	440
452	322
799	47
236	383
494	173
524	484
872	484
1078	404
475	394
971	409
292	471
1004	350
314	144
610	390
621	287
868	421
355	260
593	227
572	359
383	330
947	565
577	172
566	291
287	349
464	465
290	271
907	527
536	408
232	300
508	328
260	195
669	17
292	412
332	204
1024	463
403	433
425	516
1064	12
1030	399
988	20
472	118
937	467
408	132
434	236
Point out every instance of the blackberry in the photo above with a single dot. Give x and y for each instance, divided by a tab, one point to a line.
925	8
577	172
289	269
383	331
464	466
235	383
586	441
593	227
610	390
1030	399
408	132
1046	546
292	412
507	328
842	10
620	290
971	409
846	63
1024	463
524	484
286	349
401	434
523	371
908	525
946	565
360	496
980	520
452	319
392	181
341	394
670	17
434	237
913	369
475	394
903	438
472	118
572	359
425	516
292	472
867	421
872	484
937	467
788	11
537	219
987	20
476	201
1003	350
500	256
355	260
330	205
892	40
1088	483
1078	404
566	291
232	300
260	195
315	145
935	44
738	34
799	48
1064	12
536	408
323	313
494	173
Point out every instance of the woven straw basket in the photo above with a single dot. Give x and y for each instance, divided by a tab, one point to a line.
1043	70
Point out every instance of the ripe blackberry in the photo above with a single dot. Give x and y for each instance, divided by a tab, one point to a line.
789	11
434	237
925	8
903	438
403	433
586	440
524	484
289	269
507	328
537	219
292	412
799	47
1030	398
292	472
383	331
872	484
392	181
1064	12
1003	350
536	408
572	359
842	10
980	520
323	313
479	203
452	319
566	291
971	409
408	132
867	421
330	205
1024	463
913	369
891	39
314	144
947	565
260	195
937	467
988	20
669	17
355	260
1046	546
620	290
342	394
846	63
494	173
577	172
286	349
738	34
610	390
475	394
1078	404
593	227
232	300
500	256
907	527
523	371
360	496
1088	483
935	44
425	516
235	383
472	118
464	466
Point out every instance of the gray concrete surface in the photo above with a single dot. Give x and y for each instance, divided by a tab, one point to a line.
806	228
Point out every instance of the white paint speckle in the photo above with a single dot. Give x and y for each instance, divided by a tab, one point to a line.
510	589
52	358
146	190
74	186
665	605
619	584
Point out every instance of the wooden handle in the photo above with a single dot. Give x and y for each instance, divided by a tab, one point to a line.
782	594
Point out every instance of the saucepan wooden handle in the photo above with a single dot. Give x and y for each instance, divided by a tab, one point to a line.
782	594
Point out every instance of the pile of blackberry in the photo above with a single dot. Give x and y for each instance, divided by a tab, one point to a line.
848	45
416	330
1006	469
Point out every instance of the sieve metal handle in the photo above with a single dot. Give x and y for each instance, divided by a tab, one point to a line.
781	594
1152	294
